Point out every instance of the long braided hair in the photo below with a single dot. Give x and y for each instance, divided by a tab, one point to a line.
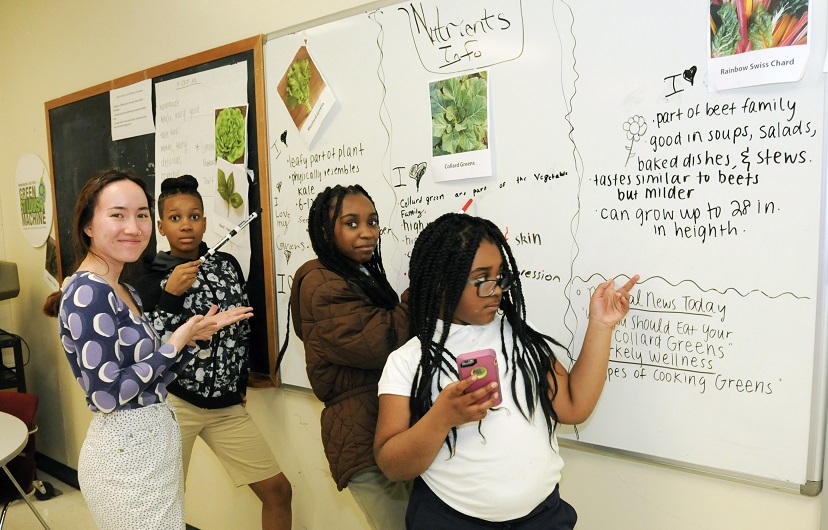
322	219
438	270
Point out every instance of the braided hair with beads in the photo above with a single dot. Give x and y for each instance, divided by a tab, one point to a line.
322	218
438	270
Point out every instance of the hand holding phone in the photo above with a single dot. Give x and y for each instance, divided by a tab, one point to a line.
483	364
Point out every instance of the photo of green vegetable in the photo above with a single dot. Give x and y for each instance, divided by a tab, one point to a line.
459	114
227	191
301	86
230	134
297	91
739	26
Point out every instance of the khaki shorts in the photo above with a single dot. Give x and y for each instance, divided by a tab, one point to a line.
231	435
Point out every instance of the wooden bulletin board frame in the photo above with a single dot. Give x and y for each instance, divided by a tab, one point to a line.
80	143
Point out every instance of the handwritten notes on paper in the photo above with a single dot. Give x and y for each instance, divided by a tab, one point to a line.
185	110
186	133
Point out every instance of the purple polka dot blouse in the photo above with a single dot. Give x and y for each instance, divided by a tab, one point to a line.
116	356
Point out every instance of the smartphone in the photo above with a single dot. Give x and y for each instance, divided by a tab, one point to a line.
483	364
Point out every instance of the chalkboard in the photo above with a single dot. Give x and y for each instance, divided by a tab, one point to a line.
80	143
610	155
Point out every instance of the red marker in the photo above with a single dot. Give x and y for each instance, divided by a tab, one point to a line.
466	206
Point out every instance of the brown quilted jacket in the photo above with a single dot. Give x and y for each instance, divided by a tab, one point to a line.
347	340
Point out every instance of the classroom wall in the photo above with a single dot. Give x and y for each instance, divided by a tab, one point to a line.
5	305
50	48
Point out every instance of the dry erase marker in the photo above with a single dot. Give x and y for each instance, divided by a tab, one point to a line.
230	234
465	206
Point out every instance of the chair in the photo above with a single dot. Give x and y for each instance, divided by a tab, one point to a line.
22	467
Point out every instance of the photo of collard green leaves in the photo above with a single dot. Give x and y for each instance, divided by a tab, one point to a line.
230	134
459	114
227	191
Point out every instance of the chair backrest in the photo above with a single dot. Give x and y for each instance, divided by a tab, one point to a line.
24	406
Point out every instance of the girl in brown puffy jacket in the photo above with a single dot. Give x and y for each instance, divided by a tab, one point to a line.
350	319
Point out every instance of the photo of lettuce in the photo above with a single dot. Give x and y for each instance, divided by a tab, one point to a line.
230	134
739	26
459	114
297	91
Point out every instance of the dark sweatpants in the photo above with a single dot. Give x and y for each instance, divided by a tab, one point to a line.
427	512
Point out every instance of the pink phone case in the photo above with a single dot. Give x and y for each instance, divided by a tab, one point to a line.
483	364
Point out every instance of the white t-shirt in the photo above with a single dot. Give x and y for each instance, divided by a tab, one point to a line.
507	471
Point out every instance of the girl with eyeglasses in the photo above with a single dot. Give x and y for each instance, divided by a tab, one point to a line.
476	465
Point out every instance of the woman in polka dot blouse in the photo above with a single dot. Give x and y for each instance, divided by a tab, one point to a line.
129	467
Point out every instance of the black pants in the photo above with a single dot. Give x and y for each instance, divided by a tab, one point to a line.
427	512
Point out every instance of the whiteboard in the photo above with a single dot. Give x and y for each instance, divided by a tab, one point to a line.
717	205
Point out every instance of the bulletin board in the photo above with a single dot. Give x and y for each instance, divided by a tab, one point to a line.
80	143
610	156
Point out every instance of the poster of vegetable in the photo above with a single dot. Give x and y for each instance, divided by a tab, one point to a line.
231	186
231	134
305	94
230	204
755	42
201	128
460	126
743	25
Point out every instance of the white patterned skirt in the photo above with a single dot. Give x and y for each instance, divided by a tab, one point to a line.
130	469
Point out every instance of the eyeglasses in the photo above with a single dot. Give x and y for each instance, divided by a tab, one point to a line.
486	288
